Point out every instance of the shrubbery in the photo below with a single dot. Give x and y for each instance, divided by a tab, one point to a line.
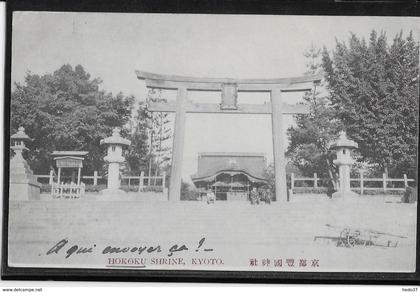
189	192
153	189
310	190
190	195
380	192
94	189
146	189
45	188
324	190
410	195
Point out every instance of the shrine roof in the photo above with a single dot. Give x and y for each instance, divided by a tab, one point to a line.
69	157
211	164
62	154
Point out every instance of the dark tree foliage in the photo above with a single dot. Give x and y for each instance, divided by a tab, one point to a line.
66	111
150	134
373	89
311	137
138	154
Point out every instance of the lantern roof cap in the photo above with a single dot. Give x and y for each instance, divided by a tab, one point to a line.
116	138
20	135
344	142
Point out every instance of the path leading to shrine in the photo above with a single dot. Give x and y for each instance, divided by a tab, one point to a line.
237	234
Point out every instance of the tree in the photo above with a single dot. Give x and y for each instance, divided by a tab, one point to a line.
374	91
138	153
150	136
159	133
311	137
66	111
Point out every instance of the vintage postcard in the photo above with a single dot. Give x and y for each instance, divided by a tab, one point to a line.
202	142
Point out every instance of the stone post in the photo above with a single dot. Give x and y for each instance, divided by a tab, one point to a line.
384	180
163	179
51	178
141	181
292	181
79	170
95	178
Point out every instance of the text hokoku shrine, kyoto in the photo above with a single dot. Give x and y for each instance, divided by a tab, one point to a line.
229	89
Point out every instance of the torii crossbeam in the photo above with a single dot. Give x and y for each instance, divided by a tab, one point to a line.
229	97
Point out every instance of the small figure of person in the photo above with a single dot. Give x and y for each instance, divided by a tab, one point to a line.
211	197
330	189
254	196
265	195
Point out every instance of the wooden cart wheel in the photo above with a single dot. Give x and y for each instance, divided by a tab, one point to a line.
343	241
351	240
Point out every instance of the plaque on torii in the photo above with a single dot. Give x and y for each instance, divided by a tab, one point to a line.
229	89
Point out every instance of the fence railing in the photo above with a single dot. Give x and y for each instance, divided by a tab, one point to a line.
315	180
51	178
142	180
363	183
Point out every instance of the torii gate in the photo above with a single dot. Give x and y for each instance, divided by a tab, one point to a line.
229	89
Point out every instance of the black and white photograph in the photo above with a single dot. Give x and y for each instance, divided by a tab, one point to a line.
213	142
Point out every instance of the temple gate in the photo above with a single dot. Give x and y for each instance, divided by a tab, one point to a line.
229	105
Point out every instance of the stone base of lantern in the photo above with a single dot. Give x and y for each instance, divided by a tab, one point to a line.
112	195
347	196
24	191
22	185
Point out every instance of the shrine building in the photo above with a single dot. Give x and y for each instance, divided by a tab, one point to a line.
230	175
68	162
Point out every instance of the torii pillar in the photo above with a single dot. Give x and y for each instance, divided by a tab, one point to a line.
178	146
229	105
278	145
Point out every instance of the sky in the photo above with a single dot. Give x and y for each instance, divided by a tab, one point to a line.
113	45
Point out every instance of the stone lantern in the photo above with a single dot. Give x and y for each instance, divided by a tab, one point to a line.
23	184
18	143
114	158
343	147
